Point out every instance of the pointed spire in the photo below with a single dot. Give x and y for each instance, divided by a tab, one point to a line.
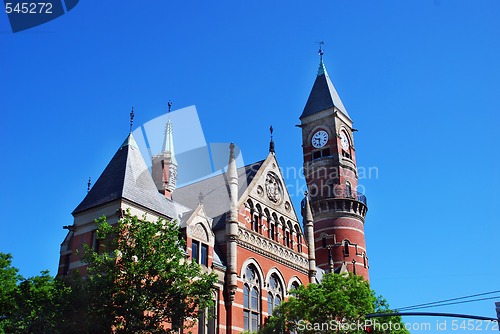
323	95
126	177
271	143
168	143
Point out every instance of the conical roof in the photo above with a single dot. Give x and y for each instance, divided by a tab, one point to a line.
127	177
323	95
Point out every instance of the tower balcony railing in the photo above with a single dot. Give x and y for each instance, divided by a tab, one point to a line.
340	191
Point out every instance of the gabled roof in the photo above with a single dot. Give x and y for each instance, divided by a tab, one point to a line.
323	95
127	177
214	192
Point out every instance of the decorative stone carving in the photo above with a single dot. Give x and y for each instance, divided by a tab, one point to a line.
198	232
260	191
267	247
274	189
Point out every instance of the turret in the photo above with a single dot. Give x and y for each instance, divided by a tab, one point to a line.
232	223
307	219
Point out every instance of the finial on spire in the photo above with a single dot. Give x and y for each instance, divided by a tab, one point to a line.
231	151
131	118
169	106
271	143
320	51
321	69
88	185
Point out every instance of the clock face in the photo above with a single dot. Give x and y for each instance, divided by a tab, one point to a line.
319	139
343	141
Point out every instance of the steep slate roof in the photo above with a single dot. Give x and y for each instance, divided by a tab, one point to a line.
127	177
215	193
323	95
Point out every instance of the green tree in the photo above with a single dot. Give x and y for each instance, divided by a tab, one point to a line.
336	305
31	305
9	278
140	278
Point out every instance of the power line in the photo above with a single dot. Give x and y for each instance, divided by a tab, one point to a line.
454	303
447	300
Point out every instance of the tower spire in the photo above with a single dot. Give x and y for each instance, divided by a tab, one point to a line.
168	143
165	164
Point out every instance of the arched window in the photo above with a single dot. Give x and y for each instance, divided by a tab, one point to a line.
346	247
251	297
255	222
348	190
275	295
299	238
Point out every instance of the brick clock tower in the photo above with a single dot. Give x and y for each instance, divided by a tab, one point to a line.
338	209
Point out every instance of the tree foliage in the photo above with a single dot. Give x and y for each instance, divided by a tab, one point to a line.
140	279
29	305
336	305
137	282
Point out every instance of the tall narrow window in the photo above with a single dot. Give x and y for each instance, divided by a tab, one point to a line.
202	324
348	190
346	248
270	303
255	225
271	230
287	238
251	297
95	242
275	295
195	249
204	255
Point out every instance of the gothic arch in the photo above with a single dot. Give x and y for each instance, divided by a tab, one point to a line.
291	282
258	269
278	273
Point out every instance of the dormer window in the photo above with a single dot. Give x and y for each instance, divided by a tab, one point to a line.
199	252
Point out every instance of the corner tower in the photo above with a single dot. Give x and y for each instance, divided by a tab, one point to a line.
164	166
332	178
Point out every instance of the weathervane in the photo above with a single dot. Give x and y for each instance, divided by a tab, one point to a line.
131	118
321	51
271	143
88	185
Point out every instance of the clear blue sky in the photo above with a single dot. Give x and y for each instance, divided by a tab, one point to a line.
419	78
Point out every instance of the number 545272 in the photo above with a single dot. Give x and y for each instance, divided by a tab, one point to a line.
28	7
